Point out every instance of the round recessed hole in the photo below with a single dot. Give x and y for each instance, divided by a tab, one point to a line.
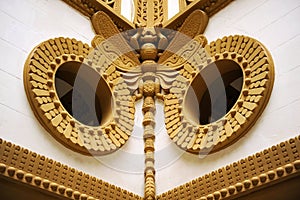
83	93
213	92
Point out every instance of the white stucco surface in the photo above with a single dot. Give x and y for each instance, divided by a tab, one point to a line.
26	23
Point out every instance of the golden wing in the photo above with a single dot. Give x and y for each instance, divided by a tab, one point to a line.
193	26
108	32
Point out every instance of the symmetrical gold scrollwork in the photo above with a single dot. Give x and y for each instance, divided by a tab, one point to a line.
165	73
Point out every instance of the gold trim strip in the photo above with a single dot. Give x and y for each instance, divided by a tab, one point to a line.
262	169
275	164
44	173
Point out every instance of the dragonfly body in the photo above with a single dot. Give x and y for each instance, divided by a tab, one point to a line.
150	79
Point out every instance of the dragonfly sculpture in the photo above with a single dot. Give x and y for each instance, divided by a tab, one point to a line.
150	76
150	62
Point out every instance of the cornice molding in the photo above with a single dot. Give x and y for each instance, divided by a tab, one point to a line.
273	165
90	7
263	169
40	172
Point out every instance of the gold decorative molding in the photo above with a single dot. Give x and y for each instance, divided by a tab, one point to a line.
258	77
90	7
41	184
261	170
276	164
40	71
44	174
150	13
150	62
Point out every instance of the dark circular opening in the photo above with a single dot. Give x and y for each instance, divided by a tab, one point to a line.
83	93
213	92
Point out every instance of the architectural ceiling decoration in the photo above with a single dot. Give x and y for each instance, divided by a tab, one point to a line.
46	175
258	172
85	95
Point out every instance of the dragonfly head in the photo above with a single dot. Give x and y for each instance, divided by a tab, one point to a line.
148	52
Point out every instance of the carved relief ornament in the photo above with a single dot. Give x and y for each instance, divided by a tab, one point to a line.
161	59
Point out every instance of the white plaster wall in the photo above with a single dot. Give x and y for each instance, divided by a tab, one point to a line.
26	23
